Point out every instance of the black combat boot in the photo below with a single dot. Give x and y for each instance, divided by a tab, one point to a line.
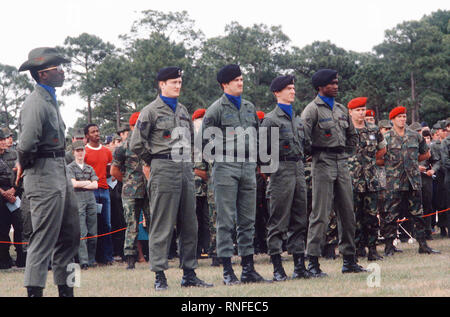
361	251
389	249
300	270
65	291
131	261
350	266
278	271
215	261
35	291
373	254
314	267
160	281
229	278
424	248
329	252
190	279
249	275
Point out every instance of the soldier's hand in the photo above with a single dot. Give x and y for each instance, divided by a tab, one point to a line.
19	173
422	169
430	172
146	171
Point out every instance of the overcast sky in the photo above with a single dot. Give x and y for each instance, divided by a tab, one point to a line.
350	24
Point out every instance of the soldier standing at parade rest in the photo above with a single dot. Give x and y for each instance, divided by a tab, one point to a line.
287	209
330	136
405	149
366	184
234	178
54	212
172	200
126	167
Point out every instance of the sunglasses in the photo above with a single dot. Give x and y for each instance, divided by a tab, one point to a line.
59	68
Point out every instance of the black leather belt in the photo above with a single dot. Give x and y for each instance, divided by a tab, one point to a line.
337	149
50	154
289	158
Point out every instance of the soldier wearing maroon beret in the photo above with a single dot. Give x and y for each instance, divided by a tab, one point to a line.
405	149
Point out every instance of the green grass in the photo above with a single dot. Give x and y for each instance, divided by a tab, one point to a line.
406	274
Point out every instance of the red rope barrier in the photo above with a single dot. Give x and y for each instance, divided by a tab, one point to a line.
115	231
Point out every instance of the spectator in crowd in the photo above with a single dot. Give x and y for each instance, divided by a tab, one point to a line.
84	182
100	158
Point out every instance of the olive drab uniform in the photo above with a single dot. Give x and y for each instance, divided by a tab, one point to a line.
234	182
53	205
172	198
134	194
287	207
403	181
366	184
445	165
329	135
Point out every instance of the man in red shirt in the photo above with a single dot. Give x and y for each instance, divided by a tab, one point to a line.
100	158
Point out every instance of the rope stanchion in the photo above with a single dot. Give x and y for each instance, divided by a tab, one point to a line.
91	237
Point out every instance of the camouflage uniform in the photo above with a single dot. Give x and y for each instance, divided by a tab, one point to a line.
362	166
212	213
134	194
201	190
403	182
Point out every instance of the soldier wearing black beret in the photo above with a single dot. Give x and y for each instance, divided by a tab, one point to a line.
287	196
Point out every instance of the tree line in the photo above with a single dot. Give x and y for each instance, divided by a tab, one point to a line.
409	68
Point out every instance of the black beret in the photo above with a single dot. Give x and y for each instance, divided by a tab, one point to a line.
323	77
228	73
279	83
169	73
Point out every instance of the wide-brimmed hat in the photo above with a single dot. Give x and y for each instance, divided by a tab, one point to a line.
41	57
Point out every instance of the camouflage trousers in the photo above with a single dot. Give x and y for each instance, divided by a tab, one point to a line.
393	208
367	225
132	208
212	220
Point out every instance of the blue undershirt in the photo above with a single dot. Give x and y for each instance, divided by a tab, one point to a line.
171	102
328	100
51	90
234	100
286	108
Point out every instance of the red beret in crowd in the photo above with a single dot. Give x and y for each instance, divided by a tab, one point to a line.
396	111
199	113
134	118
357	102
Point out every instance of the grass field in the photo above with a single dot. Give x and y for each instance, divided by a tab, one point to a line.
406	274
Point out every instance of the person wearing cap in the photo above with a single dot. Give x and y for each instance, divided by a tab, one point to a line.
440	197
78	134
287	207
201	179
127	168
405	149
172	198
84	181
54	210
330	135
366	184
7	195
370	116
427	169
234	178
384	126
9	155
123	131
